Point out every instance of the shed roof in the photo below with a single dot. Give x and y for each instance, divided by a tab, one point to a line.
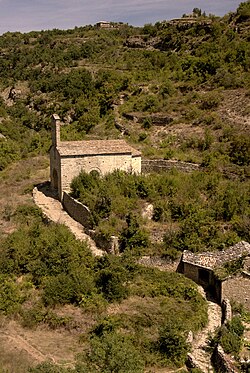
96	147
212	260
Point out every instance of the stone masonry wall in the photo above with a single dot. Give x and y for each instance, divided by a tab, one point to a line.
72	166
222	363
191	272
82	215
110	244
237	289
77	210
158	165
226	309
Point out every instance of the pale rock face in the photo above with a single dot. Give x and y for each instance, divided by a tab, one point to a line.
148	211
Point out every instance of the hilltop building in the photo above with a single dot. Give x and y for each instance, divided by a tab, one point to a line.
103	24
109	25
69	158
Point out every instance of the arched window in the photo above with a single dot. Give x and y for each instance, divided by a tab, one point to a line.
95	172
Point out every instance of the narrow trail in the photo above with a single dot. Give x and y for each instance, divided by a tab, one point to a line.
199	354
21	344
53	209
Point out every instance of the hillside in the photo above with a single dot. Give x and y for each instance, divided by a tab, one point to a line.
195	77
177	90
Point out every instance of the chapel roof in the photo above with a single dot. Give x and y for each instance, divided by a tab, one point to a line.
95	147
212	260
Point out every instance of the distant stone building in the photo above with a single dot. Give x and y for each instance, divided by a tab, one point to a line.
109	25
104	24
69	158
204	268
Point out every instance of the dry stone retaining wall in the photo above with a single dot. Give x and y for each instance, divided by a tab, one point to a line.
110	244
237	288
77	210
222	363
158	165
82	215
226	311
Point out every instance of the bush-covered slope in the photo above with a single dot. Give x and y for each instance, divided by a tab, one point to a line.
174	90
181	71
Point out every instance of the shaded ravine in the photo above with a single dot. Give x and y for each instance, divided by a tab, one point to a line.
53	210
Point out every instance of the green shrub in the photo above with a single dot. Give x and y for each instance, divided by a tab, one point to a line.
10	296
230	342
173	345
244	10
48	367
210	100
240	150
132	237
112	352
147	123
230	336
65	288
112	286
236	326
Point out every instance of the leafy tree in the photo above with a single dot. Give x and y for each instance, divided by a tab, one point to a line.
133	237
244	10
112	352
173	344
240	150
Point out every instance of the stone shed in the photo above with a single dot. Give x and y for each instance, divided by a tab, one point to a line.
204	269
69	158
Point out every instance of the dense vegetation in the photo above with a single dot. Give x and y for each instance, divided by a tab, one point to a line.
175	90
200	211
82	73
43	266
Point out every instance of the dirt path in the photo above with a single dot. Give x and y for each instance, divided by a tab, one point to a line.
36	346
53	209
22	345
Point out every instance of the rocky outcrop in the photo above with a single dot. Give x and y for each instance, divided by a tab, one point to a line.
142	41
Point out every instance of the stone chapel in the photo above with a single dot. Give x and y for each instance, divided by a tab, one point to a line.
69	158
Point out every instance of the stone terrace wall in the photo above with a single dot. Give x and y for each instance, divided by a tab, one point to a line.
110	244
77	210
82	215
226	309
237	288
158	165
222	363
160	263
